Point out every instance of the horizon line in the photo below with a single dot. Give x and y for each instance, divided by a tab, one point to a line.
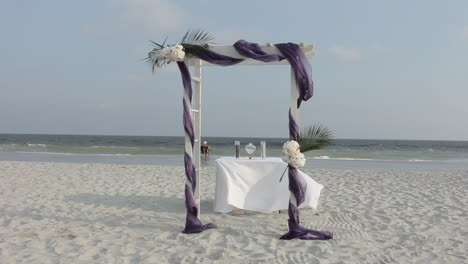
119	135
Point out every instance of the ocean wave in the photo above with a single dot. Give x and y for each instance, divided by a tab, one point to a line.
364	159
321	157
43	152
113	154
113	150
419	160
328	158
64	153
36	145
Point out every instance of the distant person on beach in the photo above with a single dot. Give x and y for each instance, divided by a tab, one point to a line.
205	148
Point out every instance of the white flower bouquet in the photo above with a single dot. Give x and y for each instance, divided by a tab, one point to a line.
292	149
173	53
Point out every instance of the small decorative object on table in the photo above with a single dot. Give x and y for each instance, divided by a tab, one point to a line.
250	148
263	148
237	146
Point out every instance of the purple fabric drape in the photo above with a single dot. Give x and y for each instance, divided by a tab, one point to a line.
188	124
211	56
187	83
293	53
190	171
302	70
192	223
254	51
297	231
298	189
186	80
303	75
293	128
296	185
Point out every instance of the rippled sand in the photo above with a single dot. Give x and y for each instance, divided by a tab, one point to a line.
95	213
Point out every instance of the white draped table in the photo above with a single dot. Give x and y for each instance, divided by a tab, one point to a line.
254	185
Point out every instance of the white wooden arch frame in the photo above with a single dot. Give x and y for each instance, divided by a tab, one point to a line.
195	107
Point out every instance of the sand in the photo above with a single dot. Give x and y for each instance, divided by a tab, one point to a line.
97	213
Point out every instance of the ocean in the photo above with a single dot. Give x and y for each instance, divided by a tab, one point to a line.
164	150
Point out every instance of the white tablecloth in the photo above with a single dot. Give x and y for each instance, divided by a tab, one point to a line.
254	185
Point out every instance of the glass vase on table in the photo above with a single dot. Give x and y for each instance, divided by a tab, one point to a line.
250	149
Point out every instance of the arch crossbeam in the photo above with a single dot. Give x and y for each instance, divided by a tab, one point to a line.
232	52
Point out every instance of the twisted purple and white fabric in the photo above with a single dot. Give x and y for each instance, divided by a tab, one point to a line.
254	51
192	223
302	72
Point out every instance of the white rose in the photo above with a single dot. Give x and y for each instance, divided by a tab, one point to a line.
290	148
165	52
177	54
298	160
179	47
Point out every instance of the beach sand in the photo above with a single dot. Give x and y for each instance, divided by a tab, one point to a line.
98	213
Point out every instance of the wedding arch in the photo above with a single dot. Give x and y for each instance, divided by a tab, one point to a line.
195	51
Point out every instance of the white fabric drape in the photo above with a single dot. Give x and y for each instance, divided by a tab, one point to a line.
254	185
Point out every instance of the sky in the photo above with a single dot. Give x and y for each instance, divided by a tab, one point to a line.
382	69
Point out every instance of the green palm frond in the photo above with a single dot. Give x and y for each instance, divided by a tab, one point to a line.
160	45
195	42
197	37
315	137
154	57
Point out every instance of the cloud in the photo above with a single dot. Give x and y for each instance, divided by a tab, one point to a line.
345	53
142	16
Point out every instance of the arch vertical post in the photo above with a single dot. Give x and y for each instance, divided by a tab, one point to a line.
193	223
294	97
295	116
296	187
196	112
